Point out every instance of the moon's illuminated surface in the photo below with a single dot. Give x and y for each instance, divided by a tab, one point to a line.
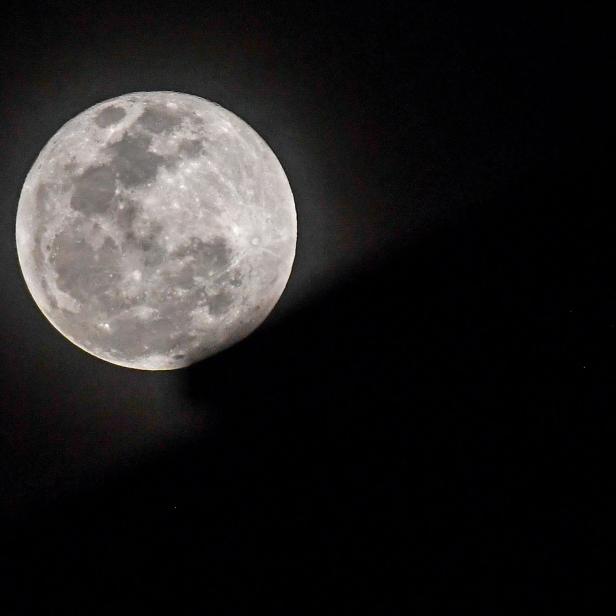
155	229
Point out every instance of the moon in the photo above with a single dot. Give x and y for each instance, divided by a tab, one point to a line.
155	229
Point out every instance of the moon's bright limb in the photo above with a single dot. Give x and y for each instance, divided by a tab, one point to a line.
155	229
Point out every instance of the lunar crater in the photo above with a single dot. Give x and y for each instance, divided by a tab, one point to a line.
109	116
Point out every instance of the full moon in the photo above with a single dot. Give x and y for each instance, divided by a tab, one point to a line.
155	229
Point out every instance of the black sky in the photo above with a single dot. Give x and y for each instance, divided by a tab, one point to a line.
423	421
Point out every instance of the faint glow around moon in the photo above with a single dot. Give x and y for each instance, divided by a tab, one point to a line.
155	229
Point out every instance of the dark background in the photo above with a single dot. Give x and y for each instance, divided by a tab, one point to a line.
423	421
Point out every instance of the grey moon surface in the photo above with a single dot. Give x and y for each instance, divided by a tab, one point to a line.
155	229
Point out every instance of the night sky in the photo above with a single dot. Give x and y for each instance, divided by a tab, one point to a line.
422	422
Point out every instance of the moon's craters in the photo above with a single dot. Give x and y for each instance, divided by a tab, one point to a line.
159	119
156	229
94	190
108	116
133	161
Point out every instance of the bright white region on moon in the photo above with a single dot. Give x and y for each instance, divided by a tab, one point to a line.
155	229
